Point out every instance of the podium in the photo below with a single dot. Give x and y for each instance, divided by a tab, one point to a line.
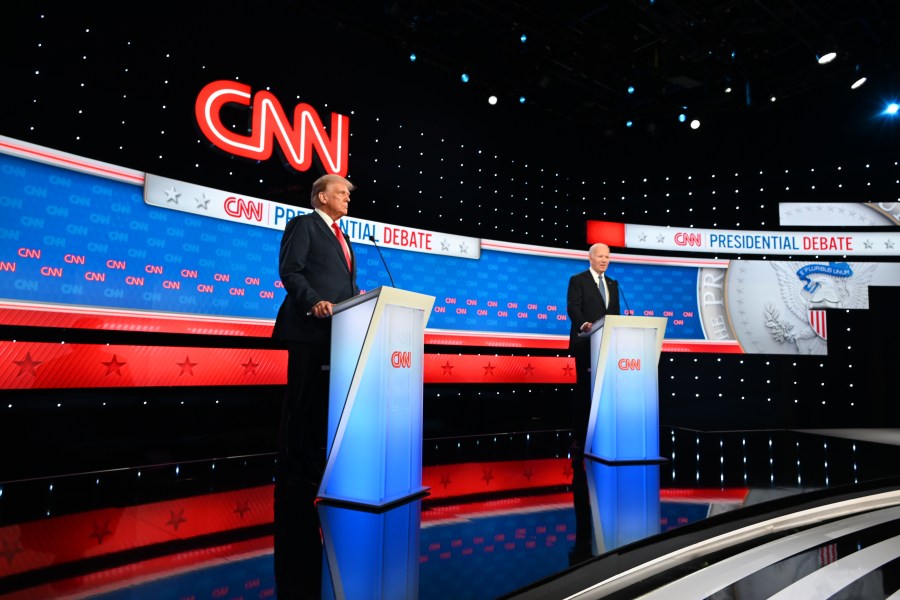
623	426
374	456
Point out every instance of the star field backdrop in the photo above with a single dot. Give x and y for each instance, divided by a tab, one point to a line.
429	151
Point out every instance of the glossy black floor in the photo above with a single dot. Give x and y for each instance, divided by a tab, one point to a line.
586	530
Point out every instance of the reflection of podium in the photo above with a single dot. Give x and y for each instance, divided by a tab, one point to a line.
370	555
375	398
624	421
625	504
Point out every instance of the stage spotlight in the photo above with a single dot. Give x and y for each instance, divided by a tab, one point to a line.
521	99
682	118
630	89
772	99
492	100
465	78
695	124
524	38
827	58
891	109
412	57
629	123
858	83
728	90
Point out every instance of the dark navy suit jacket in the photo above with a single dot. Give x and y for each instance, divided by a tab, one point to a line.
584	304
312	268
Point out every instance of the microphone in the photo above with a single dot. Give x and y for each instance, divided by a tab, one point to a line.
621	291
372	239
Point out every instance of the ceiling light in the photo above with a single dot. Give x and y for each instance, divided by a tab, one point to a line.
492	100
695	124
858	83
827	58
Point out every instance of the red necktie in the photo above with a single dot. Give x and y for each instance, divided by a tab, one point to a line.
340	236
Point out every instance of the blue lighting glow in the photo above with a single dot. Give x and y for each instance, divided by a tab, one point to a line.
629	123
682	118
465	78
521	99
524	38
412	57
892	108
630	89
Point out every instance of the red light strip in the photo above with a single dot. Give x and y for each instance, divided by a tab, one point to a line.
41	365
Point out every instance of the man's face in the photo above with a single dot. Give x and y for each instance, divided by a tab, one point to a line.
335	200
599	258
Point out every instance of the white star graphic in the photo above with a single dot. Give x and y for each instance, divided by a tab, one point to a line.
172	195
203	202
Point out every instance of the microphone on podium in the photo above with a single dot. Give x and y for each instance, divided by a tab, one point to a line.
386	268
621	291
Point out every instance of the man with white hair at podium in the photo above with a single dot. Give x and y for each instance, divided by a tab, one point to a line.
591	295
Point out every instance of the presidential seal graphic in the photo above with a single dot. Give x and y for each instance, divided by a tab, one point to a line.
779	307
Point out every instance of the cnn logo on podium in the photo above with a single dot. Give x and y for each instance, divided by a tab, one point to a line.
629	364
401	360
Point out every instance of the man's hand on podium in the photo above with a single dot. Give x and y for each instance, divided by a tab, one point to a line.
322	309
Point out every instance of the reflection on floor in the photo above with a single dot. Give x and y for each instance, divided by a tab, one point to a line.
730	514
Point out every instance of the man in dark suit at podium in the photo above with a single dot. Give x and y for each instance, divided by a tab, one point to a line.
591	295
318	269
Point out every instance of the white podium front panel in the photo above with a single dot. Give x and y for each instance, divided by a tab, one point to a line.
624	419
375	399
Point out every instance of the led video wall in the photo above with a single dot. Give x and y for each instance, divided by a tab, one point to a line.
86	244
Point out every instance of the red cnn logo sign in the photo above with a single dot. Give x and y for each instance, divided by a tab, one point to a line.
270	125
688	239
630	364
401	359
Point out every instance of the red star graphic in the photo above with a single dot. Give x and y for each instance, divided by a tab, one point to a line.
113	366
11	549
176	520
489	369
100	531
528	473
445	480
27	364
528	369
488	475
250	367
448	368
242	507
187	366
567	370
